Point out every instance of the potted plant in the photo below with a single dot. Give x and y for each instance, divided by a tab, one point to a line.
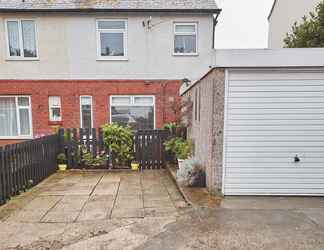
135	165
61	160
181	148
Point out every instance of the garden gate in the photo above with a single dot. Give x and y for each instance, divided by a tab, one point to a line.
148	147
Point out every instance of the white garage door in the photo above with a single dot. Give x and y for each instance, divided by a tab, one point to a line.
273	118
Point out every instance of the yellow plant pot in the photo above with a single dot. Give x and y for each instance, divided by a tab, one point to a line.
135	166
62	167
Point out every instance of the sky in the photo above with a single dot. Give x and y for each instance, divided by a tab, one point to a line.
242	24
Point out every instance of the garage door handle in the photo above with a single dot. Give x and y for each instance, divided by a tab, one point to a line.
297	159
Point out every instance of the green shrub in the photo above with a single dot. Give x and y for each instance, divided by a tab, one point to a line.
61	158
180	147
90	161
119	140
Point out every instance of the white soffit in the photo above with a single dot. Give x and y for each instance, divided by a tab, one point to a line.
266	58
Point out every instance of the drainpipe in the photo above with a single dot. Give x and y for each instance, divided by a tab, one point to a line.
215	21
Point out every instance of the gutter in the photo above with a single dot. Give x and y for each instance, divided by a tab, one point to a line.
93	10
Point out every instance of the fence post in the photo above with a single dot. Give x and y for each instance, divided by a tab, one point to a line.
2	178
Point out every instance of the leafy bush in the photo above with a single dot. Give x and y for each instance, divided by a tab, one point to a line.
89	160
119	140
61	158
171	127
180	147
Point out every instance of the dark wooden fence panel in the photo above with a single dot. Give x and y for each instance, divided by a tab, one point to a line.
26	164
148	146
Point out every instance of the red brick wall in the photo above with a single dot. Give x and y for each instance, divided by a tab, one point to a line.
166	94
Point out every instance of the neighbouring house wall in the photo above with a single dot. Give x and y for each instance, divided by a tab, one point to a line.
285	13
207	132
67	45
166	94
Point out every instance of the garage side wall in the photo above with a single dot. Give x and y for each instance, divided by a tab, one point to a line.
205	121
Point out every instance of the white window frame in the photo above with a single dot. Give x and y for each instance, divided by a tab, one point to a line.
29	108
125	40
132	103
92	118
50	109
195	24
21	44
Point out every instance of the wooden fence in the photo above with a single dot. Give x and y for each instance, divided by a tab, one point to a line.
25	164
148	147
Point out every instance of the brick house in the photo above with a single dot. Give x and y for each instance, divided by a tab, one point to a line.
86	63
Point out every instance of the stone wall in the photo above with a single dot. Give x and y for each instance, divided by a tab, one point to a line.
205	123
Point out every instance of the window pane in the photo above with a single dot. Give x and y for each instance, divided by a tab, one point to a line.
54	101
29	40
143	100
8	117
24	121
56	114
121	100
13	38
185	28
86	100
185	44
86	116
112	44
111	24
135	117
23	101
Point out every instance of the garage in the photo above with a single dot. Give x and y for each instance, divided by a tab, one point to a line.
274	132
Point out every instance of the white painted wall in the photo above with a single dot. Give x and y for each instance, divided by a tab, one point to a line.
284	14
67	49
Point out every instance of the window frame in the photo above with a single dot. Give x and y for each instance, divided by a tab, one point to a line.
125	40
92	118
49	109
175	24
29	108
132	103
21	43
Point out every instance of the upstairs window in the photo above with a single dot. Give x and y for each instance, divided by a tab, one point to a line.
21	39
185	38
112	39
54	103
15	117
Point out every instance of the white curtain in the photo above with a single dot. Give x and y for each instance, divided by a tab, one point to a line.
13	37
8	117
28	35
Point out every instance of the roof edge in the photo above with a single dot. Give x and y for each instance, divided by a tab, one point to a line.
92	10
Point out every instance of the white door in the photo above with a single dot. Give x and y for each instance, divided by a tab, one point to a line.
274	132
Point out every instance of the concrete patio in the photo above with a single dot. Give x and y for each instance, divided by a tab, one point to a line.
85	196
128	210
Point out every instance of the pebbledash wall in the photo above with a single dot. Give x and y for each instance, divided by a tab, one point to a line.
165	92
206	124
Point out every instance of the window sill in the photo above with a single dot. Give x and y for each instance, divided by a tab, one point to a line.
22	59
16	137
188	54
55	123
112	59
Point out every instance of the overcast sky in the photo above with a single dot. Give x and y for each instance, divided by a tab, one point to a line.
243	24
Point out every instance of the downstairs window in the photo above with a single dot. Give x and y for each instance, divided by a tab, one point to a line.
15	116
138	112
